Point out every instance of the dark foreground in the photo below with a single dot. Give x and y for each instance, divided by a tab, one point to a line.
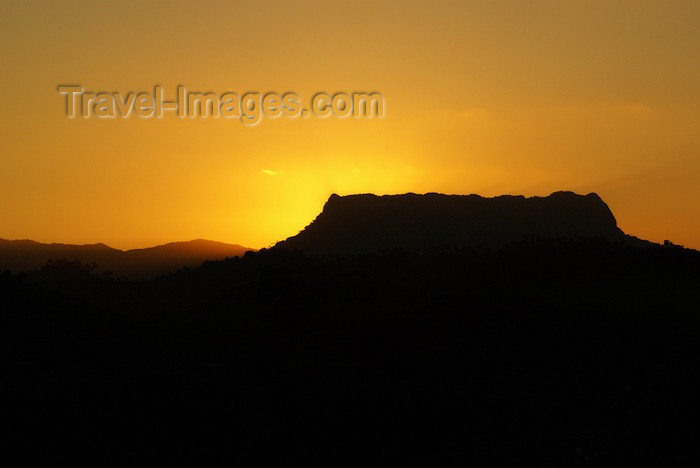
547	353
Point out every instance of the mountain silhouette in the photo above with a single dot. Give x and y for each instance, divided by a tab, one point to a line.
565	347
370	223
25	255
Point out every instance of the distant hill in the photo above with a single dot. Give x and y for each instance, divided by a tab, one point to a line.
25	255
368	223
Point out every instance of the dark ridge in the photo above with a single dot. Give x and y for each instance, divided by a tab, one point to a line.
370	223
26	255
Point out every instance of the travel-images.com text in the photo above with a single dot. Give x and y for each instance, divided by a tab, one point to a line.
249	107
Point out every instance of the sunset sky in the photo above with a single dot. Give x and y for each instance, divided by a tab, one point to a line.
488	97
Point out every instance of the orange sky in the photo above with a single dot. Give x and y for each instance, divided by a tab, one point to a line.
489	97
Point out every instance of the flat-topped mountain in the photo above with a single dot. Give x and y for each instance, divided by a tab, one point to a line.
25	255
370	223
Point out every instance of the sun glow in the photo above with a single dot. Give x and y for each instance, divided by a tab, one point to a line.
480	97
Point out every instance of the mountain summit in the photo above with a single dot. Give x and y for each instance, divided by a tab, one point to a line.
369	223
